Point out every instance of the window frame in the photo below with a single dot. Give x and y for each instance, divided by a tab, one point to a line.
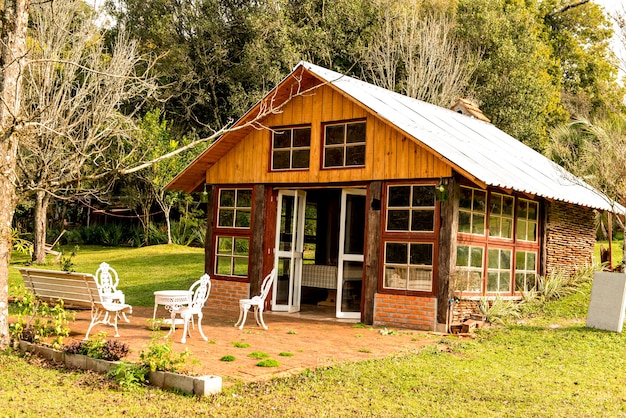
232	231
513	244
291	148
408	237
345	145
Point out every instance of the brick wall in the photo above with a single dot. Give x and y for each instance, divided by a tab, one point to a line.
569	237
405	311
226	294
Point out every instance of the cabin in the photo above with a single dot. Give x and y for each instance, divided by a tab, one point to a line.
380	208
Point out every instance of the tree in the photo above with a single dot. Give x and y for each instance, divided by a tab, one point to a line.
74	87
417	53
12	61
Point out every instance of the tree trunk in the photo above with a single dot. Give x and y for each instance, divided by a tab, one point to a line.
12	61
167	210
41	223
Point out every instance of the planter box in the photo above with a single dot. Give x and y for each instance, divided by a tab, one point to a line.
198	385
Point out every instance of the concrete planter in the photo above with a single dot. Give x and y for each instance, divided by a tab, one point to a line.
197	385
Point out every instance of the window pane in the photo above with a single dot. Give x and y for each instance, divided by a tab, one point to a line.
494	226
243	219
507	228
398	220
223	266
333	157
227	198
396	253
462	255
464	222
224	245
532	231
423	220
300	158
399	196
505	259
240	266
532	211
280	160
226	218
244	199
466	198
421	254
355	132
507	206
355	155
495	205
302	137
335	134
531	261
492	259
282	139
478	227
423	196
492	282
520	260
505	281
477	257
420	279
395	277
521	229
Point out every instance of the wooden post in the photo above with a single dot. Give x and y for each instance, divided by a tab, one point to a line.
210	226
372	250
449	215
255	258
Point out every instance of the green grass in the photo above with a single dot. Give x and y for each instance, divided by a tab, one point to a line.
545	365
141	270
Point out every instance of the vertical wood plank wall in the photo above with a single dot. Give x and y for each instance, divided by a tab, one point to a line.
389	154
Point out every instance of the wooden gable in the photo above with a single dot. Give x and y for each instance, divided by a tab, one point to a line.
389	153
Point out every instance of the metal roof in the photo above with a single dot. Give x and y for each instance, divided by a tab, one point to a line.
478	148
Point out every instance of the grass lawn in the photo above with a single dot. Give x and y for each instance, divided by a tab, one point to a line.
141	270
546	365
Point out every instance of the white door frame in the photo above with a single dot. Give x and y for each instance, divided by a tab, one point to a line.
346	257
295	252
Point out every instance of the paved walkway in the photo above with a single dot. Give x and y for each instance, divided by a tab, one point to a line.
313	342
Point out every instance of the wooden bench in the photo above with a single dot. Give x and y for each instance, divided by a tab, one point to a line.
75	289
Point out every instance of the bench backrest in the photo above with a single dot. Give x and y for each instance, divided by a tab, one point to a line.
76	289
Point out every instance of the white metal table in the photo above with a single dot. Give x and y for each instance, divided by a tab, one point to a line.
171	299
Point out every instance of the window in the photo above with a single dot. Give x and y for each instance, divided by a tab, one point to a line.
525	270
411	208
472	211
527	213
469	263
231	256
498	270
408	266
501	216
291	148
344	145
234	208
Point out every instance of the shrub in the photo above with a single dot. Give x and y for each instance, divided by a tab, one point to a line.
258	355
99	348
285	354
228	357
241	345
128	376
44	321
498	310
268	362
160	356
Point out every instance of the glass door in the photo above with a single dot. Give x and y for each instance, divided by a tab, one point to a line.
289	249
351	244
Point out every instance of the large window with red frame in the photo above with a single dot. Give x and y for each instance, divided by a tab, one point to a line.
497	243
409	237
233	232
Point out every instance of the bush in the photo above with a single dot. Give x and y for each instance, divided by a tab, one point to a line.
160	356
44	321
99	348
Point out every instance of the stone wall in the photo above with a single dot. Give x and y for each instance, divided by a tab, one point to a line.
405	311
226	294
570	236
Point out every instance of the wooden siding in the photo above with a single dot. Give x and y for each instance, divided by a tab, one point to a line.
389	153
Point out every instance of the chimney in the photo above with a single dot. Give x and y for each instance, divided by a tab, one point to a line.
469	108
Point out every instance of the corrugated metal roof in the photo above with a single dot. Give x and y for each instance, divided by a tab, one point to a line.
478	148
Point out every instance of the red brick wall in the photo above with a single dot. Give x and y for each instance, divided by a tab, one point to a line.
405	311
569	237
226	294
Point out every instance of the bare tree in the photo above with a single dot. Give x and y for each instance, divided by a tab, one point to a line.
416	53
74	87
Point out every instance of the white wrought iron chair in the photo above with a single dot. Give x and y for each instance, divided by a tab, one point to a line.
256	302
107	281
199	294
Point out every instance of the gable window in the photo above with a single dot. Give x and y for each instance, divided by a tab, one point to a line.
233	232
411	208
234	208
344	145
291	148
472	211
